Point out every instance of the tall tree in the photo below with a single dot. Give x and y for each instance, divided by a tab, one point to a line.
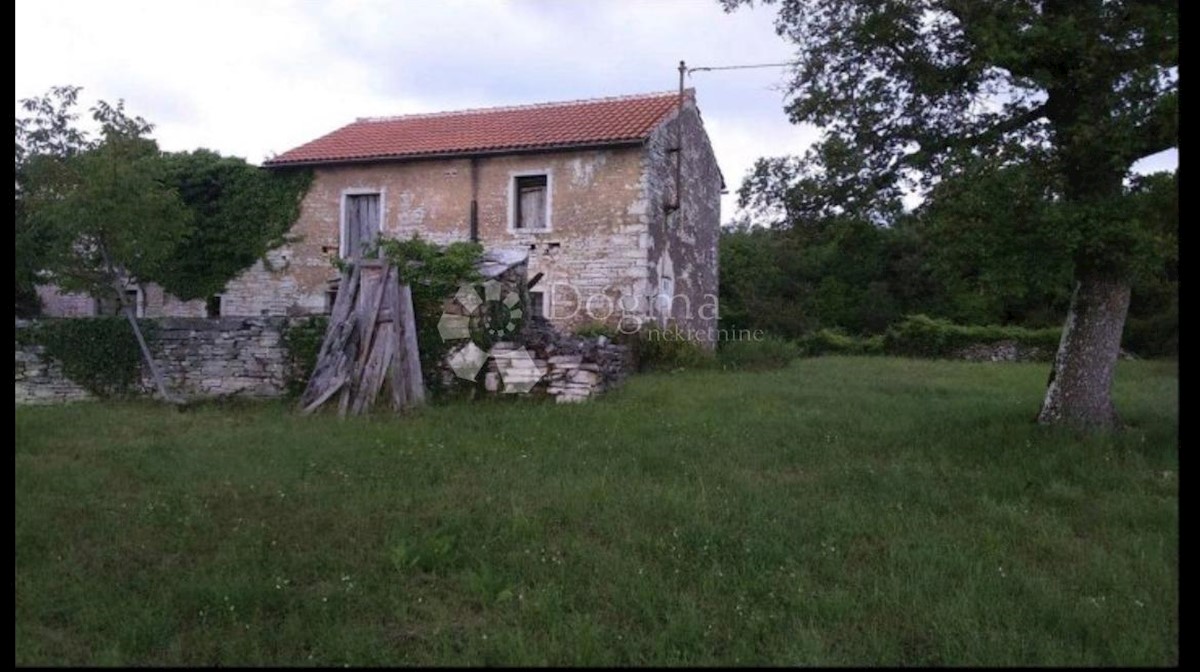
99	207
908	92
46	135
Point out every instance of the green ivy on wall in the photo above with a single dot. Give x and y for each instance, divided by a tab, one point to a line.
302	340
100	354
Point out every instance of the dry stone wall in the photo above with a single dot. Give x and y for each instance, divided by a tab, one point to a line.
199	358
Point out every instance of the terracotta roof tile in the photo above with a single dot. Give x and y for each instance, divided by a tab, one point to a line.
601	121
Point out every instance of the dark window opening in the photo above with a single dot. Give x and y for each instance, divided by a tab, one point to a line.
330	299
530	202
212	307
537	306
132	305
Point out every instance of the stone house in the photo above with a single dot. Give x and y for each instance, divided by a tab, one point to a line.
614	229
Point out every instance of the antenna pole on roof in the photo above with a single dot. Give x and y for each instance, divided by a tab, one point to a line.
679	142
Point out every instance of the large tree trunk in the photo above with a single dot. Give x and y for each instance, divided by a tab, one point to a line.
1080	388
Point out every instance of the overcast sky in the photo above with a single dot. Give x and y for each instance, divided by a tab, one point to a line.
255	78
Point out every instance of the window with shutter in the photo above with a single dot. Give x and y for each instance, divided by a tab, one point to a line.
531	202
360	225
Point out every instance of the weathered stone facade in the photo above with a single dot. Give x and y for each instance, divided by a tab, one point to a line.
683	251
616	250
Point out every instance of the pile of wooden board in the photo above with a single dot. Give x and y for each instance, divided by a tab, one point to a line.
372	339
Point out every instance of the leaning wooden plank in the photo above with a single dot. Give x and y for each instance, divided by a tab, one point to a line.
371	314
347	293
397	371
330	390
332	381
412	355
361	392
372	375
349	366
381	339
328	367
372	300
331	343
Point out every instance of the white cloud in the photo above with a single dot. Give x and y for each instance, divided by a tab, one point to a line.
252	79
256	78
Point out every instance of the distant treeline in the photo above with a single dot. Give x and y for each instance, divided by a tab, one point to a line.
978	261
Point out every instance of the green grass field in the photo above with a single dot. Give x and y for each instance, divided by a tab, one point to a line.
840	511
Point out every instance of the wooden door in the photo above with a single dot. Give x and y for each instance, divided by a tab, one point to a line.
362	223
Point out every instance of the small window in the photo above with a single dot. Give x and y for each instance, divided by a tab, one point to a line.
212	307
331	295
531	203
134	302
537	304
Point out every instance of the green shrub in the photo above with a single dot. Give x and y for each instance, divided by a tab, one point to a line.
771	352
434	273
661	349
835	342
101	354
1154	336
593	329
923	336
302	340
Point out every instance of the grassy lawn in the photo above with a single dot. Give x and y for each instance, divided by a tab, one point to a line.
840	511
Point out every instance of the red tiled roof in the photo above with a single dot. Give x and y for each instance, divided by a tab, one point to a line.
602	121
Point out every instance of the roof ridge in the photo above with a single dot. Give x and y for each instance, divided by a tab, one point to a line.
528	106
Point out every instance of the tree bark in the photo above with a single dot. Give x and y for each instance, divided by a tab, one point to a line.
1079	392
137	330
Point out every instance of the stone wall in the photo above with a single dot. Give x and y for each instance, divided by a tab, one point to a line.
683	253
245	357
41	381
575	367
222	357
198	357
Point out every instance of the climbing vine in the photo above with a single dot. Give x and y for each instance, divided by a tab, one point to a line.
302	342
435	273
100	354
239	213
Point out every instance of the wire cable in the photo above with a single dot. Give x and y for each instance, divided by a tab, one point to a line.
741	67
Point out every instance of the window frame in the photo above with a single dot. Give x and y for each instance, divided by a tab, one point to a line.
139	300
543	304
514	198
345	198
